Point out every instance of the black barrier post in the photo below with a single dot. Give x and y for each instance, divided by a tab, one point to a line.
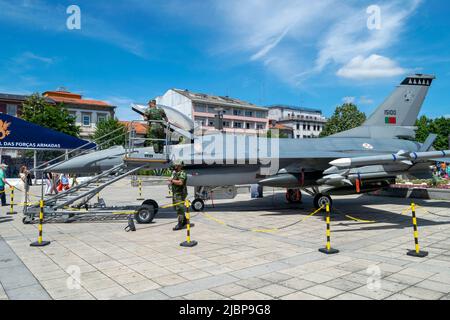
40	242
416	252
11	209
188	243
328	249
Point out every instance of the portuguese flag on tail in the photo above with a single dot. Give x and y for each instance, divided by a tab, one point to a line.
391	120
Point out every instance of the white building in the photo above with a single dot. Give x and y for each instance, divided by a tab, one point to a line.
305	122
87	112
238	116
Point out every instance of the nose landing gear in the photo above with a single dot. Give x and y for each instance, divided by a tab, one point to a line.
321	200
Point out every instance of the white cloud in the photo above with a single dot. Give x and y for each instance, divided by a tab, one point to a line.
372	67
349	99
296	39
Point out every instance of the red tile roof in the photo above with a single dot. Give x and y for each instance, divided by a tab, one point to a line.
73	98
140	128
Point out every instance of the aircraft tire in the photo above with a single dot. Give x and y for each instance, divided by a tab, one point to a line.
198	205
145	214
321	200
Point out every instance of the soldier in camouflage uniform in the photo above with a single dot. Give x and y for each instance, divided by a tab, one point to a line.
179	194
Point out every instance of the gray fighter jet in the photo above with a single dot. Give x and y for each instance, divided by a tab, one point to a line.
361	160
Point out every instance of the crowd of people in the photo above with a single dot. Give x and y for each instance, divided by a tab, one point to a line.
54	182
442	169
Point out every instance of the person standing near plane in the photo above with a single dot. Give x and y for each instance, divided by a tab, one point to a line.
178	183
3	182
24	185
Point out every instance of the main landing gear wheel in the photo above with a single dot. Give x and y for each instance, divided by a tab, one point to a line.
321	200
293	196
198	205
147	212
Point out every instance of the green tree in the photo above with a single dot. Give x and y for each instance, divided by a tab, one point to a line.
36	109
110	133
345	117
439	126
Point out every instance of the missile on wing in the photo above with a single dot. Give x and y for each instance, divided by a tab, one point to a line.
402	157
285	179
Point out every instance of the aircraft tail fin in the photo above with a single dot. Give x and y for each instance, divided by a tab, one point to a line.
402	107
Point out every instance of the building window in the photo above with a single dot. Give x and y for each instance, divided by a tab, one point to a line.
86	120
226	124
11	109
298	126
260	126
260	114
309	127
304	127
200	108
249	113
211	123
298	136
237	112
101	117
237	125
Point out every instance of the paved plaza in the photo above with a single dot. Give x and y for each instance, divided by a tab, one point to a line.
248	249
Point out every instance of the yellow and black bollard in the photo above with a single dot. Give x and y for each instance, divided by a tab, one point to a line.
328	249
140	189
11	209
416	252
40	242
188	243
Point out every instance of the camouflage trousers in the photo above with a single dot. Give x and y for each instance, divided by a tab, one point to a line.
180	208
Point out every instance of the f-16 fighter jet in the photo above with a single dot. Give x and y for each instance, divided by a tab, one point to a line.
361	160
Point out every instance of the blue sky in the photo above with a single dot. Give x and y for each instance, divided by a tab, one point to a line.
311	53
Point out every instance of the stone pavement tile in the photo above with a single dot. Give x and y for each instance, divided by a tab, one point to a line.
204	295
83	296
275	277
350	296
316	277
32	292
217	270
229	290
107	264
3	295
194	274
423	294
129	278
110	293
299	295
447	297
405	279
147	295
169	280
251	295
392	286
441	277
253	283
297	284
141	286
373	294
323	291
391	268
434	285
97	284
64	291
50	275
55	283
188	287
343	284
117	271
400	296
276	290
416	273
